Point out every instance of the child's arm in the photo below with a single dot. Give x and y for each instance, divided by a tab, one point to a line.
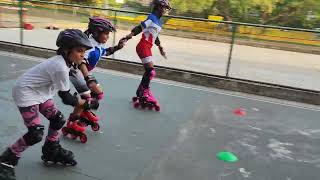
113	49
83	68
135	31
162	52
90	79
73	100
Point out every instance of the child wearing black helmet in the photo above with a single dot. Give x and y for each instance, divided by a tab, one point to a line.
33	93
151	28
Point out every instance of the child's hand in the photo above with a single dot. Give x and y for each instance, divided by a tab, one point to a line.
91	104
122	43
162	52
81	102
126	38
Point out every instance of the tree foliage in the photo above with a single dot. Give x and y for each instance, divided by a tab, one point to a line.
293	13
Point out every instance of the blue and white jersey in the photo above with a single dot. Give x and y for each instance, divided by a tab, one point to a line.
94	54
151	28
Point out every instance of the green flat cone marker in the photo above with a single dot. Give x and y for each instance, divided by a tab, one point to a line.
227	156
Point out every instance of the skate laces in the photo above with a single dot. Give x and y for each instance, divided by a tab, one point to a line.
146	92
58	147
8	165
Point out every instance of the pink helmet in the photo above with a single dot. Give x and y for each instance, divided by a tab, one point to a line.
100	24
163	3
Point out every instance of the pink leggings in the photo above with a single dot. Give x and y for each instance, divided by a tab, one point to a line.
31	118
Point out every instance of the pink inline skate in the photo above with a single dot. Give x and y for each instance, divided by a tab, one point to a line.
145	99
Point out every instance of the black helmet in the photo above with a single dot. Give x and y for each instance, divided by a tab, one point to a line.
71	38
163	3
100	24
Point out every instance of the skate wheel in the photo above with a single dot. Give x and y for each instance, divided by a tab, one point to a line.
83	138
95	127
157	108
73	163
150	107
134	99
136	105
45	161
72	136
64	131
143	106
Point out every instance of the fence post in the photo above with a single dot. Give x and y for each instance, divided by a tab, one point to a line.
21	20
1	19
114	33
234	30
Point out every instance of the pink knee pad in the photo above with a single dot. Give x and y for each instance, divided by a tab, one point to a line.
153	74
100	96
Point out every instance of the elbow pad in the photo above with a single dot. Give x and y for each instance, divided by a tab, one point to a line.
67	98
157	42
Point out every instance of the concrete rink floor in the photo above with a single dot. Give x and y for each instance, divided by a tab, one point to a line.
275	140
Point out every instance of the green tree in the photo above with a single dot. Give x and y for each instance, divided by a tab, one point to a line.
82	2
293	13
195	6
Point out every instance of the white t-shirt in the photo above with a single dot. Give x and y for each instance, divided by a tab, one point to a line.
41	82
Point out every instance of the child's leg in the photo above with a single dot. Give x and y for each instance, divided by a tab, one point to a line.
34	135
56	118
52	150
77	79
80	84
149	74
10	157
144	52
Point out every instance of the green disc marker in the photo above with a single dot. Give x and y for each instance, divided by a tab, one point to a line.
227	156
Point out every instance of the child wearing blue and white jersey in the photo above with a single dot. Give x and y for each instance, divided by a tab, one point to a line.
81	77
150	29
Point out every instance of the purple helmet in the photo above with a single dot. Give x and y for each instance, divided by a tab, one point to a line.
100	24
163	3
71	38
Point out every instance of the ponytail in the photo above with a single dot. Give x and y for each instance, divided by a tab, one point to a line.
62	52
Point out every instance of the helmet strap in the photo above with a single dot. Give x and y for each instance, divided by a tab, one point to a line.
96	37
65	56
